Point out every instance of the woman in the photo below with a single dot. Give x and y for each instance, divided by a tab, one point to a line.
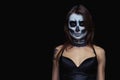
78	58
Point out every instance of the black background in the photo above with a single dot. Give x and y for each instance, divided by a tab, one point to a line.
38	29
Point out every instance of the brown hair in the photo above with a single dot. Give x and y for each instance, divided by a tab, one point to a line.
78	9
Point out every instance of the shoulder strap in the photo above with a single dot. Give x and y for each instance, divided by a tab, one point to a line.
60	53
62	50
94	50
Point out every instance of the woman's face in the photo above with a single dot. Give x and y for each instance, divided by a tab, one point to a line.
76	26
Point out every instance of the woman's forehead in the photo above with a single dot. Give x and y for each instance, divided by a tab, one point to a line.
76	17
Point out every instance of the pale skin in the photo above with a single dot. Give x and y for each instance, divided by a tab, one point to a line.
77	56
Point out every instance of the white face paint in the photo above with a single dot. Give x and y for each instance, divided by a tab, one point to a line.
76	26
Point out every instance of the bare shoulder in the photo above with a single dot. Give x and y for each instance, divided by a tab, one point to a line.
57	49
100	52
99	49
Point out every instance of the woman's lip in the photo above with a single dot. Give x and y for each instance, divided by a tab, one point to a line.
77	34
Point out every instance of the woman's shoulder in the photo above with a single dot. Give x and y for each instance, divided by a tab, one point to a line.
99	51
98	48
57	49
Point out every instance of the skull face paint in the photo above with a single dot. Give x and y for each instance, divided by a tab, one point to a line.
76	26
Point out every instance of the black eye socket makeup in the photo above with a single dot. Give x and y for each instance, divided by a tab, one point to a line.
81	23
73	23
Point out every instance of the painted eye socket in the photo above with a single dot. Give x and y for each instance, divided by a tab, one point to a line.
73	23
81	23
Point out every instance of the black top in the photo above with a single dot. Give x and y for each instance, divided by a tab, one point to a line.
86	71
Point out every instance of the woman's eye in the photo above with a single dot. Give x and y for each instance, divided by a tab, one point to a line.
73	23
81	23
